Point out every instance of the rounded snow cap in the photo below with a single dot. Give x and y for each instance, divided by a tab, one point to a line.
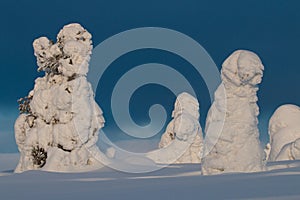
69	56
186	103
284	116
41	43
243	67
74	32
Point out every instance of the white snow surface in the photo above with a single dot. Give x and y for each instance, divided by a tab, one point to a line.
182	141
232	137
284	132
62	127
176	182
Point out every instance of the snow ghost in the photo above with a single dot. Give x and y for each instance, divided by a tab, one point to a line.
284	132
184	130
237	147
59	122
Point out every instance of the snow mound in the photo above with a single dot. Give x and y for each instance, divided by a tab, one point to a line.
284	132
182	141
59	122
237	147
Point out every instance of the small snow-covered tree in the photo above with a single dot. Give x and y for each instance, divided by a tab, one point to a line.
284	132
237	148
57	129
182	142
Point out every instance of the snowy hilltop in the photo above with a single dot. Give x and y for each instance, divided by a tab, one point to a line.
284	132
237	147
57	129
182	141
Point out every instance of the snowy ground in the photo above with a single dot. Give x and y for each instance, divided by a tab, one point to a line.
175	182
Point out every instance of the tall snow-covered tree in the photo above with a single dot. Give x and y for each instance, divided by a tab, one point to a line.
236	148
57	129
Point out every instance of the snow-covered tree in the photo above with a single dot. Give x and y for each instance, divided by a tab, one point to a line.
182	141
57	129
284	132
237	148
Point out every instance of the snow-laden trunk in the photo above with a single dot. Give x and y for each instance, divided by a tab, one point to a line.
284	132
60	120
237	147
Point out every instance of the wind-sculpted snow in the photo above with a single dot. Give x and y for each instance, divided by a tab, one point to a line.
182	142
60	130
284	132
238	148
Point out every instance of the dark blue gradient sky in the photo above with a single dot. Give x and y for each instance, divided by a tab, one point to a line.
269	28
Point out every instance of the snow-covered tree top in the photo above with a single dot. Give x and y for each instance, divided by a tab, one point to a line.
285	116
186	103
242	68
69	56
284	132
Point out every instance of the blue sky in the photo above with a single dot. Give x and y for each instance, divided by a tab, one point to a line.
269	28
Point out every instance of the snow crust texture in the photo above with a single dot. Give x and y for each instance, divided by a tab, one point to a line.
184	132
284	132
59	131
237	147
